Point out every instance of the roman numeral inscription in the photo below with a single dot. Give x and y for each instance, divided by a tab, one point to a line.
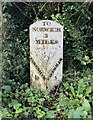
46	54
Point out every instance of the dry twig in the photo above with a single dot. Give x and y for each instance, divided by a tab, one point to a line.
30	5
88	20
21	11
42	8
85	3
82	14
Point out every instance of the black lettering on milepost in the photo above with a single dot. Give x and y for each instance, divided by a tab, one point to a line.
56	66
38	69
42	41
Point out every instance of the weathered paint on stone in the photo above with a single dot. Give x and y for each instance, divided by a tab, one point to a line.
46	54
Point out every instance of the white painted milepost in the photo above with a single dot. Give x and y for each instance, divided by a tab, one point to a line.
46	54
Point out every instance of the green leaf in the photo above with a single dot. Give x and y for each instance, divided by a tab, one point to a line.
4	112
0	23
82	10
25	113
75	113
7	88
86	58
88	90
83	63
66	85
16	115
9	115
61	102
40	113
81	86
15	104
72	7
72	90
84	114
86	105
46	92
46	109
50	114
77	9
19	110
0	115
58	15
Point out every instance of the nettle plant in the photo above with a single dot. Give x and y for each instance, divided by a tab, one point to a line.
75	97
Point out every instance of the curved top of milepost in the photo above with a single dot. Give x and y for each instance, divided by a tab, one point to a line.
46	23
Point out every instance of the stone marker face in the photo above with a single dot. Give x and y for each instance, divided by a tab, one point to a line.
46	54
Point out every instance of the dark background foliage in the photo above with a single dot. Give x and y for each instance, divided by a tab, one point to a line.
77	19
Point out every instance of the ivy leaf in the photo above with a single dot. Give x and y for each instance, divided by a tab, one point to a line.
25	113
82	10
46	109
19	110
4	112
61	102
50	114
86	58
72	7
15	104
83	63
7	88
